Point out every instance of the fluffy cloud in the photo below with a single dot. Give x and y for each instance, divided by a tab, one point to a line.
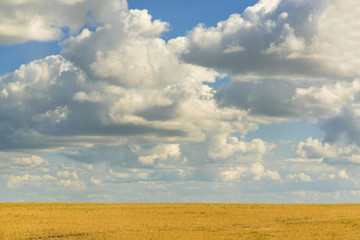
335	42
35	105
119	83
30	180
283	59
330	153
95	181
259	172
67	174
302	177
327	100
50	101
160	153
314	148
119	94
267	38
143	111
73	184
32	161
343	174
225	147
255	172
281	38
282	99
232	174
41	20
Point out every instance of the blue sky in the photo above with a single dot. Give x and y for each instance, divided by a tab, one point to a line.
185	15
179	101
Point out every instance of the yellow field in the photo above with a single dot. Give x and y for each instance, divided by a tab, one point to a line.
178	221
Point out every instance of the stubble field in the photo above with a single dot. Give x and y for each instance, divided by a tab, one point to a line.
178	221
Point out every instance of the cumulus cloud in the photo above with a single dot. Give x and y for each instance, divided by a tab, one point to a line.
95	181
329	153
73	184
232	174
32	161
35	104
299	177
67	174
255	172
160	153
40	20
280	99
222	147
314	148
30	180
328	99
283	59
117	83
343	174
259	172
335	42
281	38
148	108
270	34
64	178
47	103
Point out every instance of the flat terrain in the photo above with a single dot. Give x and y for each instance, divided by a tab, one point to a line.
178	221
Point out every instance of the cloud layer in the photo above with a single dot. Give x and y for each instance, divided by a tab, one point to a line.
120	105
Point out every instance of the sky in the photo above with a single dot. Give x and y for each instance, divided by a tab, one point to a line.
180	101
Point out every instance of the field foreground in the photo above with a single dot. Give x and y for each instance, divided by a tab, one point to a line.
178	221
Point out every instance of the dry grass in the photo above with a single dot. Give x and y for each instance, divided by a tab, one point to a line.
178	221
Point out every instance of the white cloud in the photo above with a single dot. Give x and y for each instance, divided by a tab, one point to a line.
67	174
259	172
48	177
343	174
233	48
299	177
254	172
118	174
131	175
145	107
89	167
222	147
4	93
336	41
315	149
22	21
275	38
95	181
120	83
232	174
290	47
160	152
281	100
53	117
326	100
30	180
304	160
331	176
283	38
32	161
73	184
